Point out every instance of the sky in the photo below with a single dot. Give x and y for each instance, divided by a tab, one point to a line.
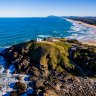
42	8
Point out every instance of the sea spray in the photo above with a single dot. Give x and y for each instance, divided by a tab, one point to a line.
8	79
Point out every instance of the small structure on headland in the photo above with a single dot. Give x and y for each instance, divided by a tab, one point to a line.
39	39
51	39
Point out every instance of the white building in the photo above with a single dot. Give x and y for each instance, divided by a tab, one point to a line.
38	39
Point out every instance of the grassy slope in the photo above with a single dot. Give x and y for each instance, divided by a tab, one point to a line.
49	56
53	53
46	55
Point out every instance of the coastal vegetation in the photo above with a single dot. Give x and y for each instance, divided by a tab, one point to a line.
49	55
55	67
88	20
43	55
85	58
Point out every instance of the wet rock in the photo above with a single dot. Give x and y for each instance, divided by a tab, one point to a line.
21	87
19	77
14	93
50	69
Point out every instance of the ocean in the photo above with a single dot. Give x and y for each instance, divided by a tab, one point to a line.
17	30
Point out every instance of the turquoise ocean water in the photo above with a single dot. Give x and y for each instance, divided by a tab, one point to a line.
17	30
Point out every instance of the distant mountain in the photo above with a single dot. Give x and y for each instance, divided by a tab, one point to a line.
53	16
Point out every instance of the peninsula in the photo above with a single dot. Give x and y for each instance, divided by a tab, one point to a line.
55	67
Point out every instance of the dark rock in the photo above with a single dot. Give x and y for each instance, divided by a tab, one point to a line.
51	66
14	93
21	87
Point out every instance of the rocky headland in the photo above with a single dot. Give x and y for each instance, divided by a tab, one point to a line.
56	67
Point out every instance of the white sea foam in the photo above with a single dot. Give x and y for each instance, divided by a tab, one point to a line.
44	36
7	80
4	47
82	32
55	32
74	34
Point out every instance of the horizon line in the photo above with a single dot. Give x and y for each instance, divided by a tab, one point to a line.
42	16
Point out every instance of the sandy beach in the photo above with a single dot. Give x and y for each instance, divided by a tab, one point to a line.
79	22
89	42
87	25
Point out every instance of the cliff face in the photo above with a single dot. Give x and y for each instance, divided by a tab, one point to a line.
41	56
53	67
44	57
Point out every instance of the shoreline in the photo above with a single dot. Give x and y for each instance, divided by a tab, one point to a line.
87	25
90	43
82	23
